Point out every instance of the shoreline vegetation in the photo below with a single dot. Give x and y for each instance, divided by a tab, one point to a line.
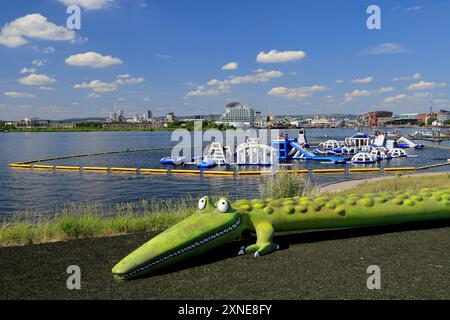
188	125
99	126
88	221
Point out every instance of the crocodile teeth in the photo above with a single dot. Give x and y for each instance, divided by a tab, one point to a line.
183	250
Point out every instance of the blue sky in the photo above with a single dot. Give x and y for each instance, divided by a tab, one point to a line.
291	57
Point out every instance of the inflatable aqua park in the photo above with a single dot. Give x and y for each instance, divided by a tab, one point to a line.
214	225
175	161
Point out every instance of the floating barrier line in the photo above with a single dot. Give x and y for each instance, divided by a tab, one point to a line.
124	169
221	173
315	171
81	155
364	170
304	171
176	171
96	168
436	147
16	165
400	169
154	171
434	166
19	165
254	173
43	167
70	168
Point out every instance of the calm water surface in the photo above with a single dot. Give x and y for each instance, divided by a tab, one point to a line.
22	190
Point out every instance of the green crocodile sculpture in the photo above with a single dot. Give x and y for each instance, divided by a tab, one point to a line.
213	226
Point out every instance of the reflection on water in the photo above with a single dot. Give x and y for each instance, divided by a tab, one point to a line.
45	190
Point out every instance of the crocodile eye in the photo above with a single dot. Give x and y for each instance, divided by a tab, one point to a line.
202	203
223	205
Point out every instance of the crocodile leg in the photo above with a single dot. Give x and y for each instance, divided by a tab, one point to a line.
264	244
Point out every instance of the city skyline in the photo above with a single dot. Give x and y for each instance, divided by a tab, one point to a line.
194	57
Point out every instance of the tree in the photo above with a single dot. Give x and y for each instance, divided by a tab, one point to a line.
431	120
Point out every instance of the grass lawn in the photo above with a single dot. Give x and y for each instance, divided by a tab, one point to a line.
86	221
398	183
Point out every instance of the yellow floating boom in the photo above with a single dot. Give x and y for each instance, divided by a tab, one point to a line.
364	170
153	170
319	171
70	168
124	169
96	168
400	169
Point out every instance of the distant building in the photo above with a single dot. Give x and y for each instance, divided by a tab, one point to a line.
375	118
443	116
139	118
170	117
117	116
149	115
32	122
406	119
38	123
325	123
238	114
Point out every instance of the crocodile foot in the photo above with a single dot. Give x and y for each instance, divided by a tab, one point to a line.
259	249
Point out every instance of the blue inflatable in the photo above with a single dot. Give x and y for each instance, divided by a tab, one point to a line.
208	163
174	161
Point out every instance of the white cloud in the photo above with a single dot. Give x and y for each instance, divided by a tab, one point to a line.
230	66
97	86
394	99
164	56
19	95
49	50
386	48
89	4
254	78
415	8
146	99
339	81
442	102
93	95
28	70
101	86
368	79
296	93
329	99
216	87
275	56
125	81
204	90
423	85
350	96
38	63
421	94
92	60
123	76
383	90
34	26
415	76
47	88
36	80
355	94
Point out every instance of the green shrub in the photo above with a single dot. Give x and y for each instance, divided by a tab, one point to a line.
286	185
